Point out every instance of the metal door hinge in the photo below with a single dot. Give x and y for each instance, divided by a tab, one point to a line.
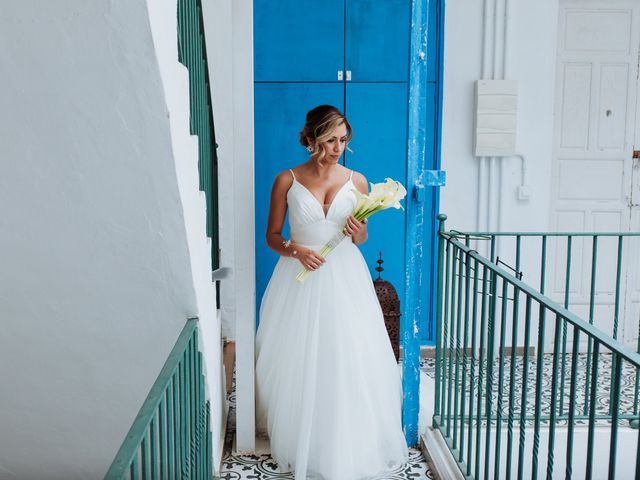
340	72
636	154
348	75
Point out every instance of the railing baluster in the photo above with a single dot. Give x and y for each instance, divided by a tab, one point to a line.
472	380
637	389
592	410
538	403
525	386
490	348
145	456
445	335
452	337
209	444
557	338
572	401
512	371
567	287
202	416
613	446
177	425
133	471
439	313
170	429
592	302
503	334
493	248
194	414
543	264
616	310
465	358
616	304
184	409
153	439
456	383
512	377
189	405
162	434
481	365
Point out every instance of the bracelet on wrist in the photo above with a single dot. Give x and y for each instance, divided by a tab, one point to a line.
286	244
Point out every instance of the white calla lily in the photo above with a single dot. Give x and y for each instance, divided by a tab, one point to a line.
383	195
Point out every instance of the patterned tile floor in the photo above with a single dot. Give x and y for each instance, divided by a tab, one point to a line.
262	467
627	391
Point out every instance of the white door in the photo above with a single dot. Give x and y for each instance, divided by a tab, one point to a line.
632	305
593	169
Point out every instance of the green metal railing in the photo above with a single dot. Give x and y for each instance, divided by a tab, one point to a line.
170	436
494	407
594	249
192	53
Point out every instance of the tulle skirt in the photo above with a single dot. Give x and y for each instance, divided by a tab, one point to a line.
328	388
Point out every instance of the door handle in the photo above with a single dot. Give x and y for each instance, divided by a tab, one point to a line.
418	192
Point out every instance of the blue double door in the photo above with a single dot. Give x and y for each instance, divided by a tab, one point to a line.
352	54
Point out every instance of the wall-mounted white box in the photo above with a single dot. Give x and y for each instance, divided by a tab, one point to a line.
495	118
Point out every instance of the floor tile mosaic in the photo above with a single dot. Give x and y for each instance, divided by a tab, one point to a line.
263	467
603	393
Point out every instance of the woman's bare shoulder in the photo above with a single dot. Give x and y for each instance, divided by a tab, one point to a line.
284	179
360	181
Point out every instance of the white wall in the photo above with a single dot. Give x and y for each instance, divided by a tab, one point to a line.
476	197
229	29
175	80
95	283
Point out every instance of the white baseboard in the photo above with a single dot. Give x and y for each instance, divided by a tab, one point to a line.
437	453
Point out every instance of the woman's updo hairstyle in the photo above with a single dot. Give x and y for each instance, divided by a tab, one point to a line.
319	126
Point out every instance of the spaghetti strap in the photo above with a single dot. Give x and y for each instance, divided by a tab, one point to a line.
294	175
351	175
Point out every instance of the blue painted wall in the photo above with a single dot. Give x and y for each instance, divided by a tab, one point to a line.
297	57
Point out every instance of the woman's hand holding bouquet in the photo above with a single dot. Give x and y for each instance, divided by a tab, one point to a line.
382	196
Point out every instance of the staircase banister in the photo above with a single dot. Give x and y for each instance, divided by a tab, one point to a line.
134	437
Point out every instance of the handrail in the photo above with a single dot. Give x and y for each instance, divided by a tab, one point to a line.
166	437
586	327
545	234
487	398
192	53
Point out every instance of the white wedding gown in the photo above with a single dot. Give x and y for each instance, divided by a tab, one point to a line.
328	387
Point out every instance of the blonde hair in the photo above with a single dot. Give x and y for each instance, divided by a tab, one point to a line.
319	126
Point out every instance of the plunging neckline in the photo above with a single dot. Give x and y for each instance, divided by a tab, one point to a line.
325	215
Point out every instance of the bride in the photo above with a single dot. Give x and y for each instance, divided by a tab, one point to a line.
328	388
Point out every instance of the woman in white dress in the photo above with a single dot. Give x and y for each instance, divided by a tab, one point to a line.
328	388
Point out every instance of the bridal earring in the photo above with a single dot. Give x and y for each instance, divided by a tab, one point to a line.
310	149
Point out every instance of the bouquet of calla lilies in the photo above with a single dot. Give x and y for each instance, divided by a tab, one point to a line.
382	196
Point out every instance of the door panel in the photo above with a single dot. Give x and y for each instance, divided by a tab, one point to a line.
297	41
379	151
280	111
377	40
596	88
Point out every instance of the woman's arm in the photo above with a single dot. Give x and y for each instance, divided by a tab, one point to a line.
277	211
358	230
